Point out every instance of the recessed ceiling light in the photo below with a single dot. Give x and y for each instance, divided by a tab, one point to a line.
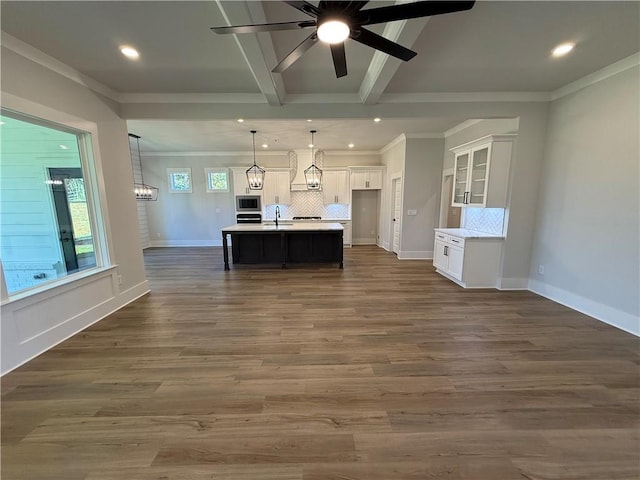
64	147
311	145
309	120
562	49
351	145
264	145
240	120
1	123
377	119
129	52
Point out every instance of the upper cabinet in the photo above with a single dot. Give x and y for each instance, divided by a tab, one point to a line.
240	183
335	186
369	178
277	188
481	172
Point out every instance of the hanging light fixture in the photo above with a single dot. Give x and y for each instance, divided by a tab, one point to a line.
313	175
142	190
255	174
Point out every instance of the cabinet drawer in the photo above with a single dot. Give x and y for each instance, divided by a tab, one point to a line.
442	236
457	241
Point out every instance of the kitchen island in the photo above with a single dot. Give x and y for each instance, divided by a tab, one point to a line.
260	243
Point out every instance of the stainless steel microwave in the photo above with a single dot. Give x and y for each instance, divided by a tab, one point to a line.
248	203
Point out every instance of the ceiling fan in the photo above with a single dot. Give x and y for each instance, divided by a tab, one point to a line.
333	22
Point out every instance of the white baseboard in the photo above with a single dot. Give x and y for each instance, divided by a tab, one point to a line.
612	316
186	243
513	284
415	255
364	241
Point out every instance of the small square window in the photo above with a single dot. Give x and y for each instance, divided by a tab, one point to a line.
217	179
179	180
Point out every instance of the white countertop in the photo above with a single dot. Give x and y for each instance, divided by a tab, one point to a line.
464	233
287	226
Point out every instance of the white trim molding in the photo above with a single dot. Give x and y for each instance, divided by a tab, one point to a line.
185	243
415	255
597	76
604	313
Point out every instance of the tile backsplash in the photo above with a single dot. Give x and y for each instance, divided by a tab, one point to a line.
308	204
487	220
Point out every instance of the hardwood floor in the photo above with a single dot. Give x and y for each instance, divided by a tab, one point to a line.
381	371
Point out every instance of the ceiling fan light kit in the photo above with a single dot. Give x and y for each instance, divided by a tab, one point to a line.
335	21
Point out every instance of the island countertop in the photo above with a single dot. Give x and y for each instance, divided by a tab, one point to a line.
285	227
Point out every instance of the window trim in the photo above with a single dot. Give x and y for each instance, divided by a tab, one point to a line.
171	171
91	163
208	171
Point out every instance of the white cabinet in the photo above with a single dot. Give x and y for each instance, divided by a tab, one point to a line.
481	172
366	179
346	233
470	262
240	184
277	188
335	187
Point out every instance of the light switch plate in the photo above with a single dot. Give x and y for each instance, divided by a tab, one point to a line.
412	212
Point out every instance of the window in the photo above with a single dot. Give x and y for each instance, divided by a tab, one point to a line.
179	180
217	179
47	207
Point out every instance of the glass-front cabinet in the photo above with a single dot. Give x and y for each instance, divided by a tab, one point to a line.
460	180
481	172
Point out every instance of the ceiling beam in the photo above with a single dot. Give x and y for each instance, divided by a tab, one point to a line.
383	67
257	49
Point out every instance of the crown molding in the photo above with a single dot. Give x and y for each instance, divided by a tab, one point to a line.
461	126
463	97
597	76
399	139
274	153
354	153
253	98
37	56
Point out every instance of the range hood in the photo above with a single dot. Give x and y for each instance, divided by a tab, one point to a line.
298	183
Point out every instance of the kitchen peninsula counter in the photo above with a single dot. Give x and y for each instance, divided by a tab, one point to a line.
307	242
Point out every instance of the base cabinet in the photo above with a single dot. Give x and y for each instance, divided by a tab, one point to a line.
470	262
346	233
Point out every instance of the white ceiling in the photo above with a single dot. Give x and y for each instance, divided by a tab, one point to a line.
495	47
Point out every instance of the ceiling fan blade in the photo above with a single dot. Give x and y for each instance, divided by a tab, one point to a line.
265	27
355	6
373	40
410	10
296	53
304	7
339	59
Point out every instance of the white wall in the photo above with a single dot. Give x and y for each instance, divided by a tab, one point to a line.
587	235
32	325
393	158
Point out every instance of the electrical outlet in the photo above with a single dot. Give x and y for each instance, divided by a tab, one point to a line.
541	269
158	234
217	210
119	279
412	212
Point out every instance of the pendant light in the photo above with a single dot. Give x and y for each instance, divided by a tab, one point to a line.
313	175
141	190
255	174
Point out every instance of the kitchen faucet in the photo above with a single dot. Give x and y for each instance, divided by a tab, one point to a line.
277	214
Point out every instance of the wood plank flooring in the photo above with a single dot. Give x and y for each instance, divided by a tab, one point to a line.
381	371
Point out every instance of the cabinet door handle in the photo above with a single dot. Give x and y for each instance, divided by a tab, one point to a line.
277	199
466	198
367	185
335	199
446	251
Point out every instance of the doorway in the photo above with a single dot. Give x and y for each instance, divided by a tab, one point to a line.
72	215
396	189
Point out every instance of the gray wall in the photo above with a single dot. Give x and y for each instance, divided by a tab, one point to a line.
422	183
364	216
588	211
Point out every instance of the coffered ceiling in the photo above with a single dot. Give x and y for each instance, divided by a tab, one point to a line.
498	46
